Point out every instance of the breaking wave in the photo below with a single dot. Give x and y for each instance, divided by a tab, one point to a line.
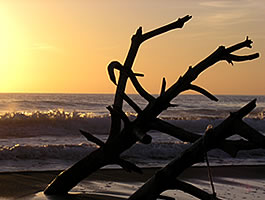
155	154
61	123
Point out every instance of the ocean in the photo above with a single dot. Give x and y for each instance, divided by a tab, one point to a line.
41	131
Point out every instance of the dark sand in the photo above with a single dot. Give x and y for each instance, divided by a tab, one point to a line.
231	182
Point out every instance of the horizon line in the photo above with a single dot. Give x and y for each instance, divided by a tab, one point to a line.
85	93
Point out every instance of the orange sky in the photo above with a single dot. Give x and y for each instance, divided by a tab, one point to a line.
66	45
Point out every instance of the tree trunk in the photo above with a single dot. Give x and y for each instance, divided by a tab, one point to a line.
133	131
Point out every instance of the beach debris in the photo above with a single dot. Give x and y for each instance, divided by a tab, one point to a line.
208	130
125	132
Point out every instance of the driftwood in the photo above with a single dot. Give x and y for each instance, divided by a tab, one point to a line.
133	131
165	178
118	141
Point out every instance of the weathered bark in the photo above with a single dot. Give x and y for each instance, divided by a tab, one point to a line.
165	178
133	131
137	40
232	147
117	141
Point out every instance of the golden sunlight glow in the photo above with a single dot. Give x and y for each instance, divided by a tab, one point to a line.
13	55
65	46
4	44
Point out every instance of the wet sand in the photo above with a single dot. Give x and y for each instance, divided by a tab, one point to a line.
231	182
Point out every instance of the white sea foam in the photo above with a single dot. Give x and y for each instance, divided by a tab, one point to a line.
41	131
49	151
41	157
58	122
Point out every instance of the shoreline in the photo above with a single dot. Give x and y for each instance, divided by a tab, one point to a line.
231	182
118	168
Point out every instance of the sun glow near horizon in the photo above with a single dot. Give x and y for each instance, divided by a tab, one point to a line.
65	47
13	57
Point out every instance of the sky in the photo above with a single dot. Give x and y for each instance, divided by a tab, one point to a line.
65	46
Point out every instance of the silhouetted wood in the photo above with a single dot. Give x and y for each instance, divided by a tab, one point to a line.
165	178
126	165
118	141
133	131
136	41
232	147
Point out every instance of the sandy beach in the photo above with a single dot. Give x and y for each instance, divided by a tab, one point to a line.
231	182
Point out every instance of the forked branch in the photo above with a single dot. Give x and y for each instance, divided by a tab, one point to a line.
136	130
137	40
232	147
166	177
126	165
220	54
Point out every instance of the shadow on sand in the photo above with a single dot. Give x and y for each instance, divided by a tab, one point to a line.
73	196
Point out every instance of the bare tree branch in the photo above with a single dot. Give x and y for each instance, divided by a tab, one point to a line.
163	87
247	43
126	165
165	177
249	133
116	65
177	24
131	103
133	131
174	131
230	58
142	136
119	113
137	39
92	138
232	147
203	92
118	141
139	88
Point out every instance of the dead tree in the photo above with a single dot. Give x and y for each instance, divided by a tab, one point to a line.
147	119
166	178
